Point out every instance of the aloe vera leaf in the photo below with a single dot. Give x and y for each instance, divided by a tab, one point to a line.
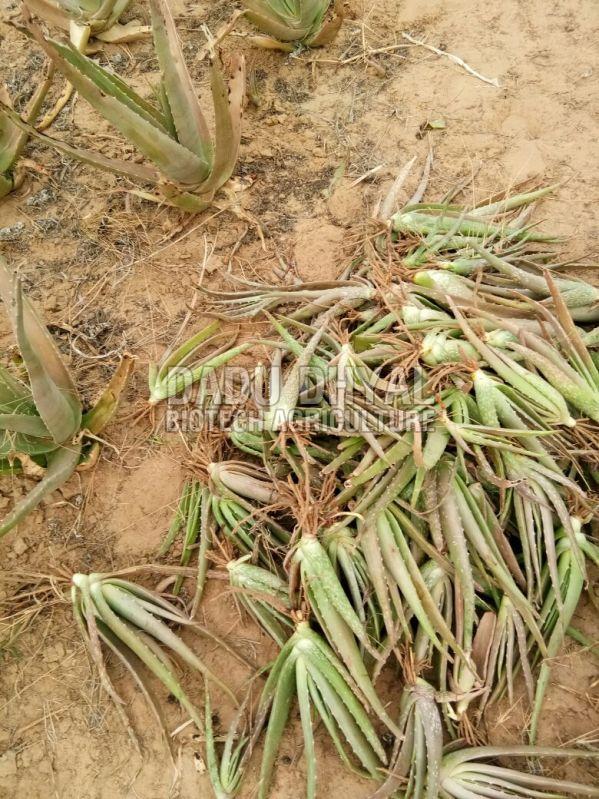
12	137
89	628
347	562
87	73
329	723
61	465
127	168
571	598
14	394
433	733
396	453
548	531
147	600
494	563
513	202
347	711
206	534
228	112
132	663
178	356
212	763
427	603
563	515
391	489
461	758
453	533
283	693
103	410
177	383
266	21
192	130
317	569
570	385
487	778
268	619
177	520
285	404
342	639
434	446
303	700
156	605
370	547
529	384
524	279
24	424
575	339
350	730
192	530
53	390
13	445
523	651
464	226
397	568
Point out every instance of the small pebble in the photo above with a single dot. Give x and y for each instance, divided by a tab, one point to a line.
20	546
51	303
12	232
40	199
47	225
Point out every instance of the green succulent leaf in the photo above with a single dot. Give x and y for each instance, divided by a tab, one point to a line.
53	390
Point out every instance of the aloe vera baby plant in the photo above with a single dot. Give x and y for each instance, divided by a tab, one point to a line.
189	164
468	774
290	24
44	430
133	622
308	669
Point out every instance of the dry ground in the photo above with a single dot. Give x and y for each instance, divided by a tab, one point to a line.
115	275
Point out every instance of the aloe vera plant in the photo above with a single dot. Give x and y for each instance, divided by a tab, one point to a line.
132	622
44	429
556	617
466	773
181	367
265	595
416	764
308	669
189	165
289	24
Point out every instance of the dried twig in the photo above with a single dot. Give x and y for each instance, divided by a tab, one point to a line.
454	58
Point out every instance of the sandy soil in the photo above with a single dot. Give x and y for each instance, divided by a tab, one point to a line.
113	275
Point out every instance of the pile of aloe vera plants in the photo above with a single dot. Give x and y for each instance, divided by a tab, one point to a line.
404	492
